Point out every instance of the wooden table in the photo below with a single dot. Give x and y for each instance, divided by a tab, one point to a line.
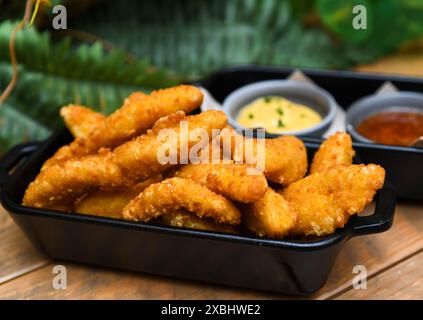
393	259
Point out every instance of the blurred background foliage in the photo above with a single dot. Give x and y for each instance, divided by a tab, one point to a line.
114	47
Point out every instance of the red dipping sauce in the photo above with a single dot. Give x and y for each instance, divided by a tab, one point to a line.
394	128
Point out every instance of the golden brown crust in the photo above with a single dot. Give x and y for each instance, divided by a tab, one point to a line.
334	151
271	216
185	219
324	200
110	203
134	118
80	120
137	114
178	193
65	181
102	169
285	157
128	164
139	157
235	181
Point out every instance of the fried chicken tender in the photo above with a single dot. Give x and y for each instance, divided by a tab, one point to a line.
78	147
110	203
185	219
80	120
68	180
235	181
179	193
336	150
139	157
130	163
138	113
325	200
270	216
135	118
285	157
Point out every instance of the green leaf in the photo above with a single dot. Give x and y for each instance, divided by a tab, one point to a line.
191	37
52	75
301	8
16	127
196	38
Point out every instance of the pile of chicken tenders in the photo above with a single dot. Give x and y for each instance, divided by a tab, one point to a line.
112	169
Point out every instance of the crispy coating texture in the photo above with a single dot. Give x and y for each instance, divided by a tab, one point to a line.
325	200
336	150
285	156
271	216
138	113
63	182
179	193
235	181
135	118
130	163
184	219
80	120
79	147
286	159
110	203
139	157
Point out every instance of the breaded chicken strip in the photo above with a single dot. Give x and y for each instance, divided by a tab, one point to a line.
178	193
325	200
271	216
185	219
336	150
286	159
138	113
80	120
67	181
234	181
139	157
79	146
285	156
110	203
135	118
130	163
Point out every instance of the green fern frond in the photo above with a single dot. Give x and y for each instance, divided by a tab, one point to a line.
192	37
52	75
196	37
16	127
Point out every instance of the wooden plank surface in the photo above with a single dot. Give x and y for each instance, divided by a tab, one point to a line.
17	256
407	61
378	251
375	252
403	281
99	283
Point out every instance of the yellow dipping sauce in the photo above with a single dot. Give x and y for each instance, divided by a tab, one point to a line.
277	115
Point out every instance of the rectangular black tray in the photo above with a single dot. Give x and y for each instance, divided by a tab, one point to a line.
403	164
285	266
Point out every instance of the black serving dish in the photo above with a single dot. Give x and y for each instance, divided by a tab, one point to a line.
403	165
284	266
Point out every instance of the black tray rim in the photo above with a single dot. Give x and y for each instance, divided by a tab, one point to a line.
340	234
14	208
